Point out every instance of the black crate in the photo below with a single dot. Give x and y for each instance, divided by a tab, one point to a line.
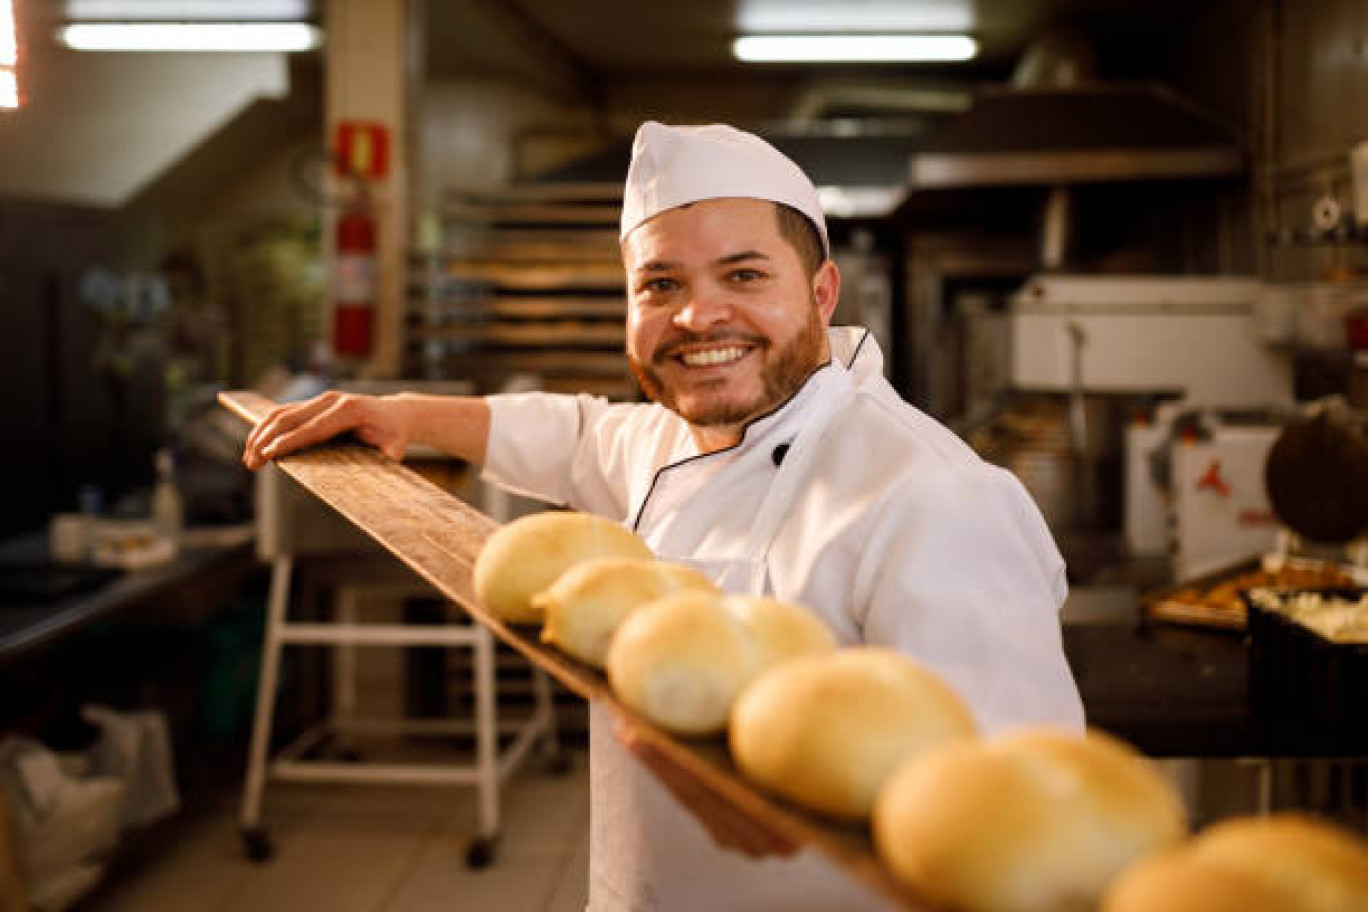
1307	692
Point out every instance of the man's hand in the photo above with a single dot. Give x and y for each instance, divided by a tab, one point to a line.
729	828
378	421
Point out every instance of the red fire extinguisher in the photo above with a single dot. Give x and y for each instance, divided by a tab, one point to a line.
355	282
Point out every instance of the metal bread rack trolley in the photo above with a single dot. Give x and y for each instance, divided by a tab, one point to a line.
292	524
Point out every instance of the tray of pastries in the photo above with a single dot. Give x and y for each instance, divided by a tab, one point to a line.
1217	600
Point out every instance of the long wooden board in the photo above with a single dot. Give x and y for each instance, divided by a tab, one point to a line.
439	537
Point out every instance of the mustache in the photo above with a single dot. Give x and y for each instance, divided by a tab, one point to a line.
680	341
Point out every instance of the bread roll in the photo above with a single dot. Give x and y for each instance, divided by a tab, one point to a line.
527	555
780	630
585	605
1178	881
1037	821
1287	863
680	661
825	730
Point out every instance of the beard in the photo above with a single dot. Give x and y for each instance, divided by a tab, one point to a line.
782	373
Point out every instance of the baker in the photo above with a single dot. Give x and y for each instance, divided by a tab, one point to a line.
775	457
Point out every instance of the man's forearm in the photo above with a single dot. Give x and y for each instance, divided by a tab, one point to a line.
458	425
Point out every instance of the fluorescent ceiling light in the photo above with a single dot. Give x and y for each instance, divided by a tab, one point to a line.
187	10
9	44
884	16
190	36
853	48
9	89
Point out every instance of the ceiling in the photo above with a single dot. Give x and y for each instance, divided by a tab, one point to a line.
622	57
583	46
603	40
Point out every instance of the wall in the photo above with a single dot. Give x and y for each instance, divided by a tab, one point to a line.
485	132
1318	111
473	132
85	398
98	127
70	418
1293	75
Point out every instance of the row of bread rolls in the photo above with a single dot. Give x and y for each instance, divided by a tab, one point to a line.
1032	821
589	582
1035	820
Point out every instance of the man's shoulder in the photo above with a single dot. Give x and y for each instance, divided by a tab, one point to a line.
893	437
635	418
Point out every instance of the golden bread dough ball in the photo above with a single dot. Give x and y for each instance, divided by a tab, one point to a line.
587	603
528	554
780	630
681	660
825	730
1282	863
1036	821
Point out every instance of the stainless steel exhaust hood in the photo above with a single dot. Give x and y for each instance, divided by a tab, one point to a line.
1073	134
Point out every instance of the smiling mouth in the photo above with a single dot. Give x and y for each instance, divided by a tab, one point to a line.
712	357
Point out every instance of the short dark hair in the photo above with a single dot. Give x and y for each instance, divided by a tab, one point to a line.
803	236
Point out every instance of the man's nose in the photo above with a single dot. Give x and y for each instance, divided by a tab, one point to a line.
705	307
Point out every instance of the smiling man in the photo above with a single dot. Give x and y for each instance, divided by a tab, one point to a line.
729	304
775	457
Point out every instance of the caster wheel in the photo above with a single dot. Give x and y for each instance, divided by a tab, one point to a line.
559	763
257	844
481	852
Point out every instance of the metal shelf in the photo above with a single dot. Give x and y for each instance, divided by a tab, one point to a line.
525	280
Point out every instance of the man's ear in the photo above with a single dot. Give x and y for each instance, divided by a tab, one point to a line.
826	289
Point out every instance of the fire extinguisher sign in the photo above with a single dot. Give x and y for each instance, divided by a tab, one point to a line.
361	149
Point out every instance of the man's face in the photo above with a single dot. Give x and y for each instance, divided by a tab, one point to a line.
723	323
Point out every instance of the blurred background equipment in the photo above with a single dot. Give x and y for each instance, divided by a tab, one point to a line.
1317	474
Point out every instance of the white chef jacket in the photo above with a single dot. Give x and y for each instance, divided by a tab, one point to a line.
845	499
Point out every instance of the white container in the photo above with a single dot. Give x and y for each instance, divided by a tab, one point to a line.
1221	510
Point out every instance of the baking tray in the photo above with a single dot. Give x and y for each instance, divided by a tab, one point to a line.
1168	606
438	537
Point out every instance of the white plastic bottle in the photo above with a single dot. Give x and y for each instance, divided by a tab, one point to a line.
168	514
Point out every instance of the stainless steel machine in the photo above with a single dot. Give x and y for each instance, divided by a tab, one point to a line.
1166	399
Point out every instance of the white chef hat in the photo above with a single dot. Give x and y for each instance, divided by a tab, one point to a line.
672	166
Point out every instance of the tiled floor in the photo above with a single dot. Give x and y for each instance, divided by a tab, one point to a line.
366	849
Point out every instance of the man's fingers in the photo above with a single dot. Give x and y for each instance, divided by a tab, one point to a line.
333	420
280	420
285	412
303	424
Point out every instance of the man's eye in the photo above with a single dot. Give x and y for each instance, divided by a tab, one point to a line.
742	276
659	286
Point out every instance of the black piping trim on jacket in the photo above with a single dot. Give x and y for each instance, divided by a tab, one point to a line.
641	511
859	346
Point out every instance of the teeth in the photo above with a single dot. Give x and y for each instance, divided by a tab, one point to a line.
711	356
